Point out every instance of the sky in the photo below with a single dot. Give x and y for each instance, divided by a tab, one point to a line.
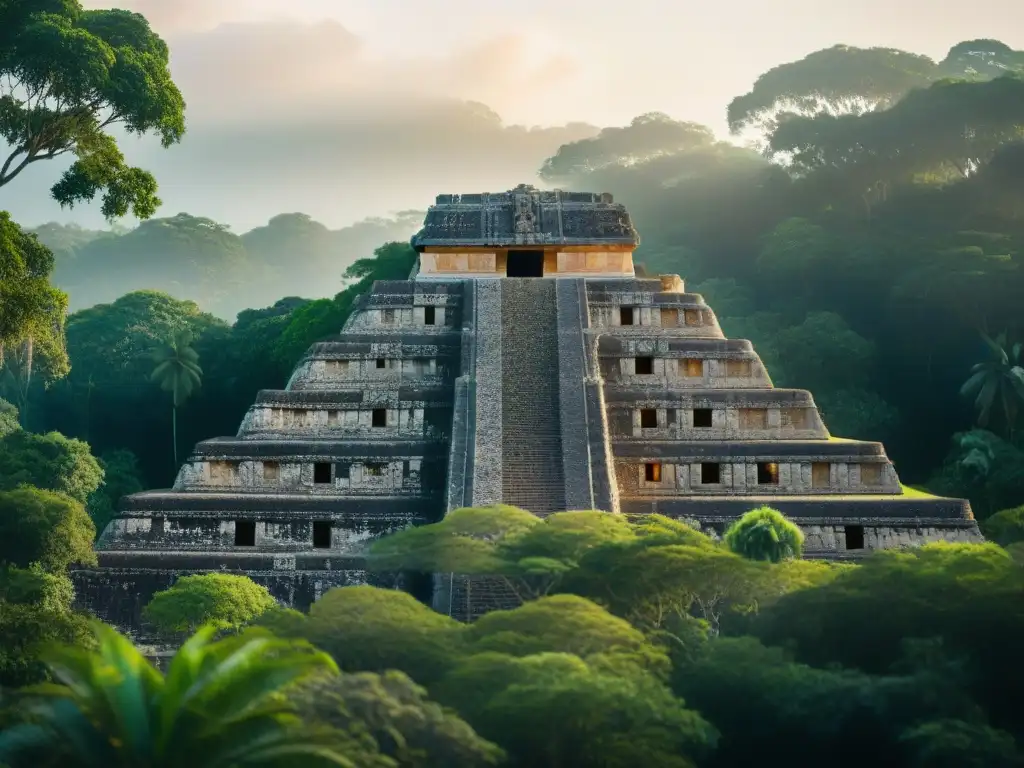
345	109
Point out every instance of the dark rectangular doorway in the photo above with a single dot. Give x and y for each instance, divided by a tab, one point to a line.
525	264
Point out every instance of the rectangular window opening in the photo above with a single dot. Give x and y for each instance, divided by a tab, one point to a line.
692	368
389	316
870	474
671	417
670	318
271	471
322	534
794	418
381	363
321	473
692	317
652	473
380	417
739	369
767	473
702	418
429	316
375	469
625	315
648	418
341	470
710	474
245	533
855	537
820	475
644	366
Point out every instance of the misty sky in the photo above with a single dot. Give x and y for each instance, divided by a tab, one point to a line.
347	108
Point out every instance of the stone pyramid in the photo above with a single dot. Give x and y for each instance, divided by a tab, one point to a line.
524	363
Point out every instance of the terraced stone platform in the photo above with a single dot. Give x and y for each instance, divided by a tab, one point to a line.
523	362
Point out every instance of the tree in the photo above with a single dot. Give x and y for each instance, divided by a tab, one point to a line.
52	462
957	744
981	60
70	75
216	706
398	717
563	624
8	418
1005	527
44	527
647	137
528	554
177	371
35	611
192	257
221	600
834	81
985	468
368	629
950	129
958	597
998	381
553	710
32	312
765	534
763	702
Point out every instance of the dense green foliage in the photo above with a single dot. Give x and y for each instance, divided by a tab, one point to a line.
218	705
764	534
68	76
221	600
658	646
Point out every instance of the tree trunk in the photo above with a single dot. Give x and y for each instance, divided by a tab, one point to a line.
29	353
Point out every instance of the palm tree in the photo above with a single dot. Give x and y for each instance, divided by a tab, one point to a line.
765	534
219	706
178	372
999	380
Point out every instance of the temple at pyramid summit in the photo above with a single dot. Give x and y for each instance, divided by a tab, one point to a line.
522	362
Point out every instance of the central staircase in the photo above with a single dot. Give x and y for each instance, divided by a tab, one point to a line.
533	476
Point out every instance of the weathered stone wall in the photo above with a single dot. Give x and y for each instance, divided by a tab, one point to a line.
118	595
705	364
487	437
843	477
285	527
829	539
459	485
586	452
681	416
367	474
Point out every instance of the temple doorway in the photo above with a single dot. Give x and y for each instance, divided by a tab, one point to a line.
525	264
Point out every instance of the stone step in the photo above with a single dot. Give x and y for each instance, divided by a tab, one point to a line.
533	476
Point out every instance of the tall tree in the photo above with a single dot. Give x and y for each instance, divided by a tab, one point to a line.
67	76
648	136
840	80
32	312
177	371
998	381
217	706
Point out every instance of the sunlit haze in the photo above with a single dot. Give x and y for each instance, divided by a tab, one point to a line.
345	108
